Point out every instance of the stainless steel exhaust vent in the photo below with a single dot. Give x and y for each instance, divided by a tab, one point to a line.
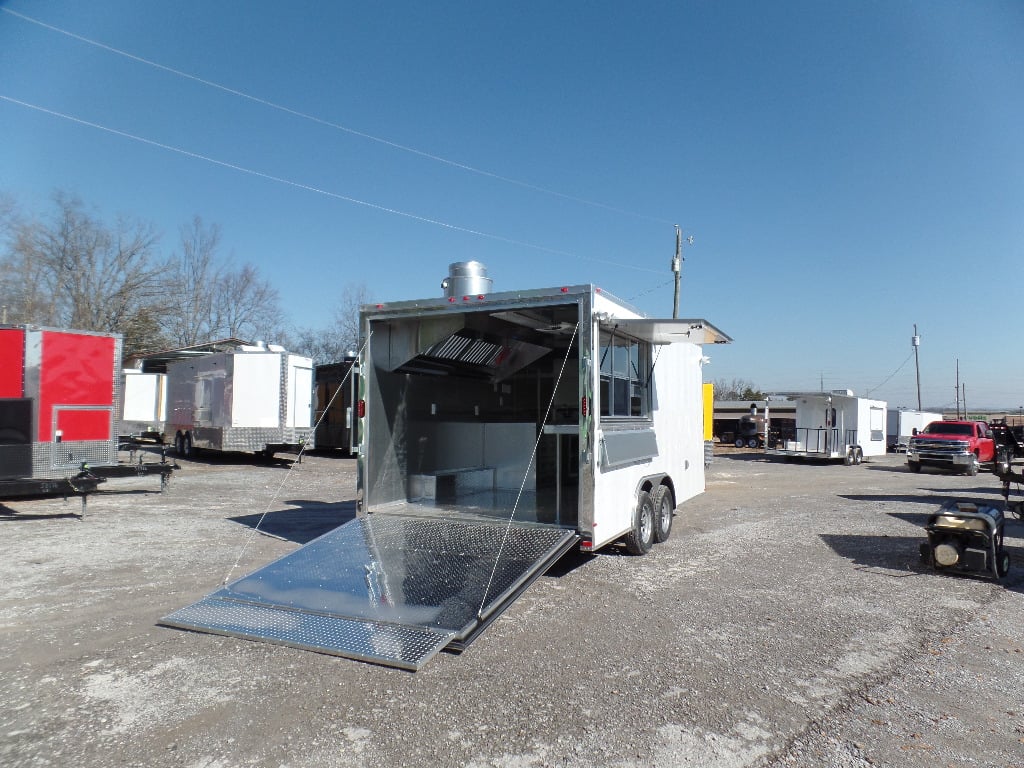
466	278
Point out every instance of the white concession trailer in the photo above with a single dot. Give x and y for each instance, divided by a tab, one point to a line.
496	432
143	408
903	423
256	398
835	425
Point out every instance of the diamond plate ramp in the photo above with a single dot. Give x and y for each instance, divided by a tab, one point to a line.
389	589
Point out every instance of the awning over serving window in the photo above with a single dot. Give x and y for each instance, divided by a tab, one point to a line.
668	331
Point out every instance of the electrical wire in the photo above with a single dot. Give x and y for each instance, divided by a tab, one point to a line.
892	374
277	493
526	474
320	191
335	126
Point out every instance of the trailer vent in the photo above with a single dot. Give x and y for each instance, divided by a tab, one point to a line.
465	349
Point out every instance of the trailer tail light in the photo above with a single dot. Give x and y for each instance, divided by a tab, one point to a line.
564	289
361	409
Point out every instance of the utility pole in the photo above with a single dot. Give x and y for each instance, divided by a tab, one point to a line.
958	388
915	342
677	263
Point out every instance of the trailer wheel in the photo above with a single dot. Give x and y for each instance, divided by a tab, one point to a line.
848	459
914	466
186	446
640	539
858	455
179	444
972	466
664	509
1002	563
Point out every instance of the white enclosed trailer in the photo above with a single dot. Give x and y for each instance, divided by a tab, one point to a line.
253	398
497	431
901	423
143	407
835	425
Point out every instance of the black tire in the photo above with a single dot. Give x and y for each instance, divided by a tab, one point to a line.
926	553
640	539
187	449
739	442
848	459
858	456
1002	563
179	444
752	442
914	466
664	509
972	467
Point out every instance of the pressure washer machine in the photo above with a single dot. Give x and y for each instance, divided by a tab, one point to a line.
966	538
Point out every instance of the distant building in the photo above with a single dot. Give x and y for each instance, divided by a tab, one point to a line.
744	420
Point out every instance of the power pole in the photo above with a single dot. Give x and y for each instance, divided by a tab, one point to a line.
677	263
958	388
676	266
915	341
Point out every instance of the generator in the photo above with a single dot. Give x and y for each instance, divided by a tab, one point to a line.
966	538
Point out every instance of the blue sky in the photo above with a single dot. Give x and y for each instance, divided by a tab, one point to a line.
846	169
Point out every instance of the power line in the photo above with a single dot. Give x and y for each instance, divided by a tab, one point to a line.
319	191
892	374
330	124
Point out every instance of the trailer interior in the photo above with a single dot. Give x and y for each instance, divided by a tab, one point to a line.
460	401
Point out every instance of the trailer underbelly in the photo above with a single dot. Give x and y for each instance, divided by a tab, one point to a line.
385	588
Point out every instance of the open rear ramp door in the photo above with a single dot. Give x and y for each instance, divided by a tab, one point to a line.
388	589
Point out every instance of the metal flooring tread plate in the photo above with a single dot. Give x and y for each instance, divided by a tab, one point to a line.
387	589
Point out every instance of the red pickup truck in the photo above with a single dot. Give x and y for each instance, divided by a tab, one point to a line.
957	445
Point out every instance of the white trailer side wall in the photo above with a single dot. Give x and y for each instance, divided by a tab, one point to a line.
143	397
677	419
871	426
255	390
299	411
902	423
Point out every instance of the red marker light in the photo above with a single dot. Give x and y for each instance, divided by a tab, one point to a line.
361	409
451	299
583	405
565	290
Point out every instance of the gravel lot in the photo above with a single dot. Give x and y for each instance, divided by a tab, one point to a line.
787	622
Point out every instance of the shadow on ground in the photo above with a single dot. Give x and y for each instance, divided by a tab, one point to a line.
900	556
308	521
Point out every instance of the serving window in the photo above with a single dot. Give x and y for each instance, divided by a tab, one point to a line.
625	376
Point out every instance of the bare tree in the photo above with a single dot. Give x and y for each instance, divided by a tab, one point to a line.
341	337
246	306
190	282
737	389
75	272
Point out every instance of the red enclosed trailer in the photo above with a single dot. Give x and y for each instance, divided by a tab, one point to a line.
59	392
